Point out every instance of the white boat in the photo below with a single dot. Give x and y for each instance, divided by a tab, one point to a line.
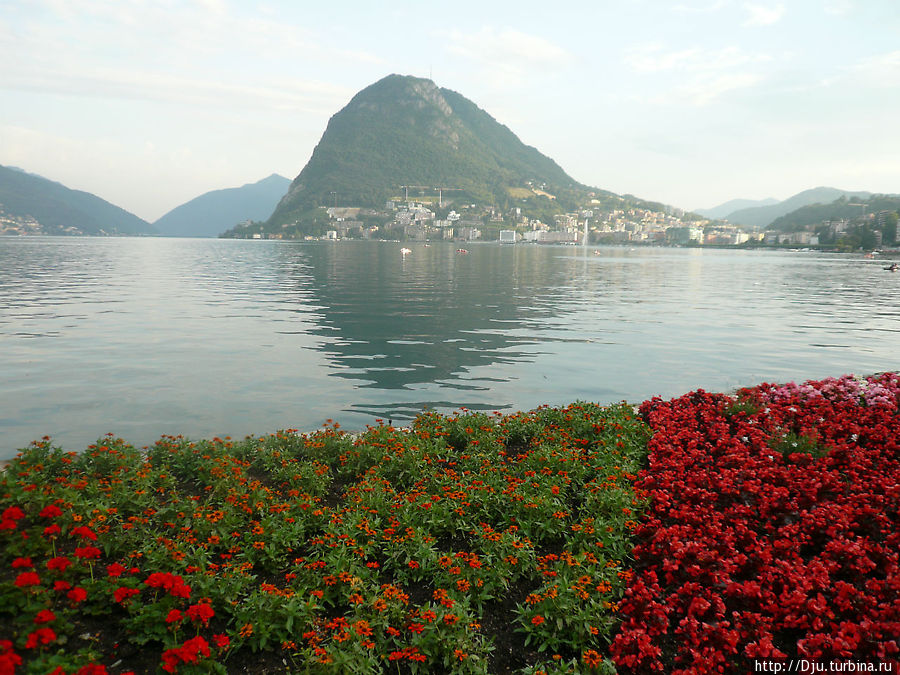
461	250
404	251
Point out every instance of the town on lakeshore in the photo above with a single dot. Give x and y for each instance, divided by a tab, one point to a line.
598	223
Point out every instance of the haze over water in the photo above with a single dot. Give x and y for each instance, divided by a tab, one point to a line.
145	337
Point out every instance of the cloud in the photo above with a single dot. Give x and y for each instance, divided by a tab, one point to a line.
704	90
700	9
507	54
882	71
653	58
763	15
188	52
697	76
838	7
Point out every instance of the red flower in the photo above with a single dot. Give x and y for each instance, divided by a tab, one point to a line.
12	513
42	636
50	511
26	579
21	562
8	658
52	530
77	594
87	553
222	641
123	593
84	532
537	620
59	563
115	570
92	669
200	613
192	649
45	616
61	585
174	615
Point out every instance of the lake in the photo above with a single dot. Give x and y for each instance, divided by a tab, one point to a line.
142	337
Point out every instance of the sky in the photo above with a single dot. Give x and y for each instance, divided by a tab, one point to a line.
149	104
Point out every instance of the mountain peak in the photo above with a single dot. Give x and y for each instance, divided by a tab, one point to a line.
405	130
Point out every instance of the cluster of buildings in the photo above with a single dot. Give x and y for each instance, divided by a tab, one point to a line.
418	221
13	225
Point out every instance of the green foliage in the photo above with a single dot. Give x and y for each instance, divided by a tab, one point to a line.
790	442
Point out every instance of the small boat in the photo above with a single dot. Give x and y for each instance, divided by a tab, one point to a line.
404	251
893	267
462	250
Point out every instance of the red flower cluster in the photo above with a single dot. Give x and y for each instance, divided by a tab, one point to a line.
173	584
189	652
772	532
8	658
202	612
42	636
10	518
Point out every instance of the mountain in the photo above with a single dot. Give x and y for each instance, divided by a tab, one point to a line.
723	210
840	209
762	216
407	131
212	213
35	205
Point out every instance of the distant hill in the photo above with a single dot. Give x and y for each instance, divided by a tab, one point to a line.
214	212
46	207
407	131
840	209
723	210
762	216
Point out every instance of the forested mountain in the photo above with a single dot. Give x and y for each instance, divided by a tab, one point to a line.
406	131
34	205
212	213
762	216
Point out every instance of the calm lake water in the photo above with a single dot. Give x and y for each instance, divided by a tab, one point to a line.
145	337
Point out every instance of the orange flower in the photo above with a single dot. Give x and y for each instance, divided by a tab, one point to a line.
591	658
537	620
362	627
246	630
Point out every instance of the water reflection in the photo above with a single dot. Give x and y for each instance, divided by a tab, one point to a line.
150	336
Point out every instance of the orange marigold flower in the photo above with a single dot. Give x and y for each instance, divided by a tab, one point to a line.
246	630
591	658
537	620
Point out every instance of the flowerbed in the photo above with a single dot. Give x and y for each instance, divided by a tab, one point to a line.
763	529
772	532
471	543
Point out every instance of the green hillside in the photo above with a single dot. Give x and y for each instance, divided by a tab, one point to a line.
840	209
46	207
407	131
763	216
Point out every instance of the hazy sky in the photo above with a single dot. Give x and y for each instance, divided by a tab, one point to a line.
691	102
